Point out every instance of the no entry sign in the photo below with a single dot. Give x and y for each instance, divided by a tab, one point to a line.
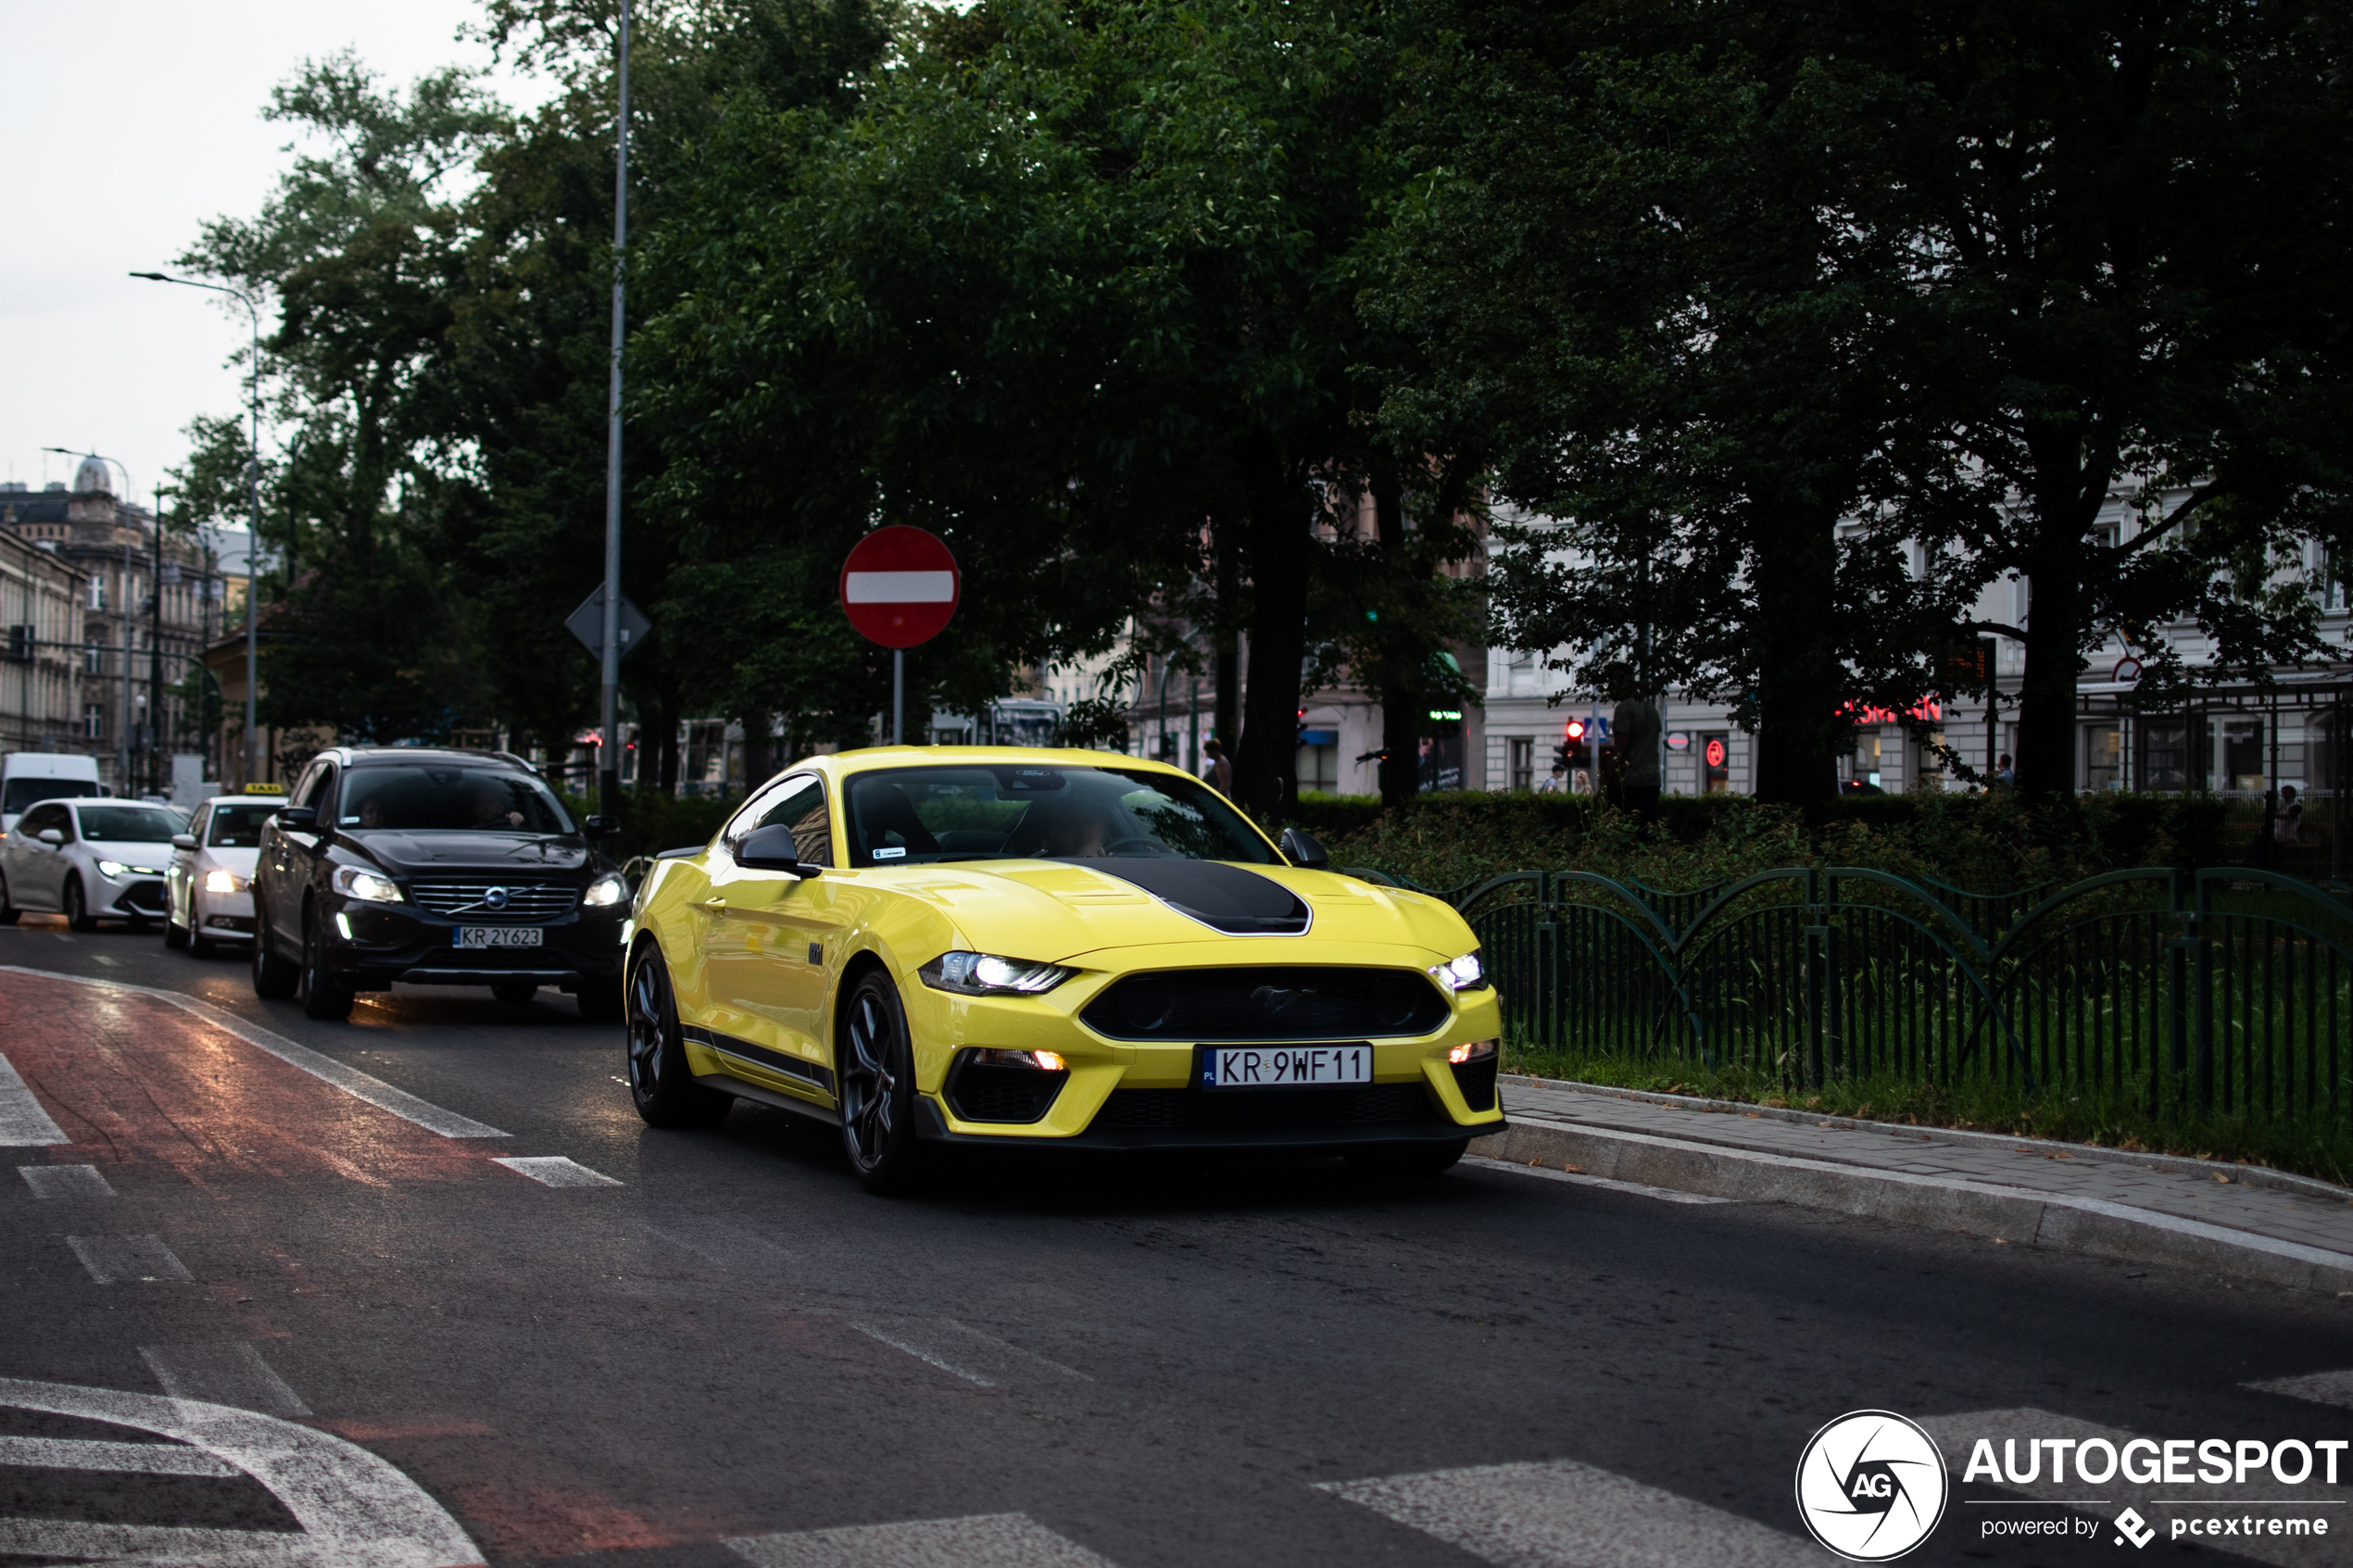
899	587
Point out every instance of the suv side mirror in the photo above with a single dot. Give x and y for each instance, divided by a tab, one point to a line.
598	826
1301	848
298	817
772	849
51	836
183	841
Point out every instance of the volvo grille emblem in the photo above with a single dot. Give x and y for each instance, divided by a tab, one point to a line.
495	898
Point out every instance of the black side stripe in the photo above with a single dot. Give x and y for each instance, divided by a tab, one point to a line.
761	1056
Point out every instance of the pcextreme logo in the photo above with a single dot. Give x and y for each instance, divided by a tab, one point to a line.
1871	1485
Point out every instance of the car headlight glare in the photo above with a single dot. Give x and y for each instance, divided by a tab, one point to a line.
219	882
111	868
1465	973
353	882
604	892
1475	1050
1044	1061
984	975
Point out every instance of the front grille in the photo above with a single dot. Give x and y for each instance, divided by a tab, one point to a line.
1344	1106
1002	1094
525	900
1270	1003
146	896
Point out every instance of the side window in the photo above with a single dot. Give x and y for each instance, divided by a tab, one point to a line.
798	803
201	824
42	817
64	820
316	787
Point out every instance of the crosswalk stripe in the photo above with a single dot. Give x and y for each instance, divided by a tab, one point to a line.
556	1171
121	1260
1564	1514
988	1540
121	1459
232	1374
2320	1388
24	1125
65	1184
174	1543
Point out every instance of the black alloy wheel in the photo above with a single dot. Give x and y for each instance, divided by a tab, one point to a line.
877	1077
1411	1162
661	1083
201	946
321	997
9	914
273	977
78	915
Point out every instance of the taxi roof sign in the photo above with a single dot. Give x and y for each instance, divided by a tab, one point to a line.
265	789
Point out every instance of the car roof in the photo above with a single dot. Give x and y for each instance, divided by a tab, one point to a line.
361	756
871	758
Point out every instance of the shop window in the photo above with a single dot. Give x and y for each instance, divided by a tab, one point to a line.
1319	759
2243	755
1523	762
1716	763
2164	755
2103	757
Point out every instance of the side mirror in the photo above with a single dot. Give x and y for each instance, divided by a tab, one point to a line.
772	849
298	817
52	835
183	841
597	827
1301	848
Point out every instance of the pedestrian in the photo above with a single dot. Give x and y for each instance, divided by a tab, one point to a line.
2005	774
2288	826
1216	772
1557	783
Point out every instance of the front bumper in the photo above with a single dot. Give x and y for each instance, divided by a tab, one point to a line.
141	896
224	916
371	945
1178	1122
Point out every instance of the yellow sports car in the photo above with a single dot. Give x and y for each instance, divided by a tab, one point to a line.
930	947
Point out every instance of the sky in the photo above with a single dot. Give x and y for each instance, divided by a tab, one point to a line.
126	125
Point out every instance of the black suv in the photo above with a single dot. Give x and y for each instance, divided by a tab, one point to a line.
439	868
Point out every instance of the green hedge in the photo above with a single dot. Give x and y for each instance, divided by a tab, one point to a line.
652	821
1989	844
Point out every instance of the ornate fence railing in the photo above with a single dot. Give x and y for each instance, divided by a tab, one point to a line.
2210	992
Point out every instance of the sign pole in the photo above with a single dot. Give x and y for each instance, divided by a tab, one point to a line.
898	696
608	754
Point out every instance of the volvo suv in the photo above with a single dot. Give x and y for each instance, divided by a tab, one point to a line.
434	868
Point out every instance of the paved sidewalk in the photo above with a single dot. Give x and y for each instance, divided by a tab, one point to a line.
2193	1213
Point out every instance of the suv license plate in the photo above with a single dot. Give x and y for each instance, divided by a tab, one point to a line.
1284	1067
498	936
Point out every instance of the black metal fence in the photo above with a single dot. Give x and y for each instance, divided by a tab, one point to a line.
2211	992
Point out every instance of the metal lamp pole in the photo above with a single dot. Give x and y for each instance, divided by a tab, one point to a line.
253	544
608	764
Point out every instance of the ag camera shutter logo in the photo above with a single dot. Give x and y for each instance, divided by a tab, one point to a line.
1871	1485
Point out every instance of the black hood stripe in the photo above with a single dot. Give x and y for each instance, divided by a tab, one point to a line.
1224	898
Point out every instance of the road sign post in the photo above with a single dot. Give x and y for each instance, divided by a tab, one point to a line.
899	587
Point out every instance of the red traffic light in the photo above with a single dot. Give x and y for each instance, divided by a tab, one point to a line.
1577	729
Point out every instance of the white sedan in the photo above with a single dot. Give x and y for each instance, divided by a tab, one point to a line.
89	861
208	886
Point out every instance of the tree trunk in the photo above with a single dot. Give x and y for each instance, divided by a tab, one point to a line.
1401	705
665	738
2054	660
1281	553
1800	681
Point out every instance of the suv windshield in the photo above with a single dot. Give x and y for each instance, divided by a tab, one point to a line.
130	824
22	793
905	816
446	797
239	826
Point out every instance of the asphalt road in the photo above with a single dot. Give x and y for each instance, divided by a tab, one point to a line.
1042	1362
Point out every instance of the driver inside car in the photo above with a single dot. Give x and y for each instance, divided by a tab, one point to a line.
491	810
1077	831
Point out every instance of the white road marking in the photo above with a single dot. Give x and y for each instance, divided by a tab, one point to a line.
1564	1514
65	1183
963	1351
123	1459
554	1170
1665	1195
326	1068
356	1511
110	963
124	1260
988	1540
2320	1388
232	1374
24	1125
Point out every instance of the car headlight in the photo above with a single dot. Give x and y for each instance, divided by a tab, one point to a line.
1464	973
1043	1061
983	975
604	892
111	868
1475	1050
357	883
219	882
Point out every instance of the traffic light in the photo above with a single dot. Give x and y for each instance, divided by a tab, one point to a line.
1572	750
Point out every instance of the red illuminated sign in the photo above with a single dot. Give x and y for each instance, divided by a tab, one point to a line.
1715	753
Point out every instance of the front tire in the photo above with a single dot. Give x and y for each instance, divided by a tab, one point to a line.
661	1084
877	1077
273	977
175	936
78	915
8	912
321	997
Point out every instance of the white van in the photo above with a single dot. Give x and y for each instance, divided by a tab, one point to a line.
28	777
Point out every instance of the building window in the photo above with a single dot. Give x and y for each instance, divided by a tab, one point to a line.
1523	762
94	657
2103	757
1319	759
2243	755
98	593
93	721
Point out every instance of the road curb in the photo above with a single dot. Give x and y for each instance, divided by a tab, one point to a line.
2090	1225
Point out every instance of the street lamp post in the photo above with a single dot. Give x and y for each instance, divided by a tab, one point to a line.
608	761
253	542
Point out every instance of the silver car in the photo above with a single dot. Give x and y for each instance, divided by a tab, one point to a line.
89	861
208	885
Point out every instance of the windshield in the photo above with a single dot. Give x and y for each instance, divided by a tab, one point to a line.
22	793
130	824
904	816
239	826
419	797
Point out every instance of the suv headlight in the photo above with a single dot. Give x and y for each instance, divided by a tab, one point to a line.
983	975
1464	973
604	892
376	888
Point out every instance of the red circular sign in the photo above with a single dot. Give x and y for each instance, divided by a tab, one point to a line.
1715	754
899	586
